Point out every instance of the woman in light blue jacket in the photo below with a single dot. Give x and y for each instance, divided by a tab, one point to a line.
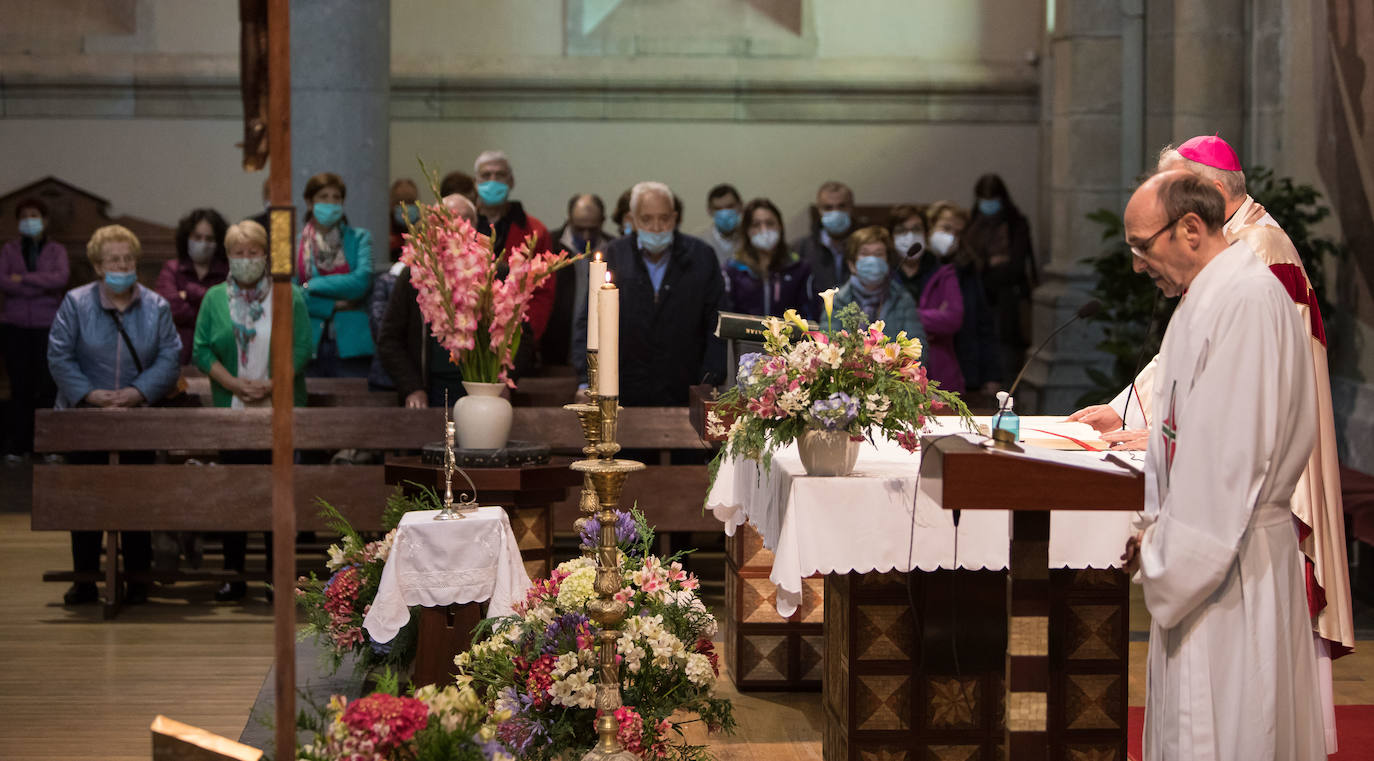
334	269
113	344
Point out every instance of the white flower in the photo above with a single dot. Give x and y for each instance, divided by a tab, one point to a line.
831	355
568	566
578	588
575	690
336	558
794	401
699	671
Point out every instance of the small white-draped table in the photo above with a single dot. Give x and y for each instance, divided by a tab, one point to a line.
448	567
920	654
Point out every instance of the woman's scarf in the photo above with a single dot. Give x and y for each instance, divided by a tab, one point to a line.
245	310
320	252
870	303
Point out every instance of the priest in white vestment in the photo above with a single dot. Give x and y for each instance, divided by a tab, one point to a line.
1317	508
1232	669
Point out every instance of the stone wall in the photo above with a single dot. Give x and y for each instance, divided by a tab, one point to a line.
138	100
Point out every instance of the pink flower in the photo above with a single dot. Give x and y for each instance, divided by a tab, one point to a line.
385	721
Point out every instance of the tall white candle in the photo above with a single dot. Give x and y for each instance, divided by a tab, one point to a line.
608	304
595	278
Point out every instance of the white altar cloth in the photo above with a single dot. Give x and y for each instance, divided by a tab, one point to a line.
864	522
435	563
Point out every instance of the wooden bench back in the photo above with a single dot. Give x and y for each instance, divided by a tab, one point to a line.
144	429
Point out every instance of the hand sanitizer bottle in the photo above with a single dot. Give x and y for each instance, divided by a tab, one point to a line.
1005	418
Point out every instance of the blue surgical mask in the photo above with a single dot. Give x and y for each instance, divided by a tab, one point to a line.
989	206
120	282
835	221
765	240
628	227
327	214
31	227
402	213
872	271
493	192
655	243
727	220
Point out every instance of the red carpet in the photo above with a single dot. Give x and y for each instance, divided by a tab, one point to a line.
1354	728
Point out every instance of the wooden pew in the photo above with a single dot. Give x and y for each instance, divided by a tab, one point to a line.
113	497
321	392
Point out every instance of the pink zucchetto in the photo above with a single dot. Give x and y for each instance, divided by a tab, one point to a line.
1210	150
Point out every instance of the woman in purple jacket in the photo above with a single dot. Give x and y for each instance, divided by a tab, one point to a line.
201	263
934	283
33	277
765	277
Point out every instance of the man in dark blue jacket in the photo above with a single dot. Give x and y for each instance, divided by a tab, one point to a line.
671	291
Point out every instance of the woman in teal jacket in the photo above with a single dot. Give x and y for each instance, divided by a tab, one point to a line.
233	346
334	268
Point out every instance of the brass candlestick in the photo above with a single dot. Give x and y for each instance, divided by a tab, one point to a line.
607	476
589	414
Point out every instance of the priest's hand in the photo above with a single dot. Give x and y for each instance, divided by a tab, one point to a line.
1102	417
1130	559
417	400
1127	439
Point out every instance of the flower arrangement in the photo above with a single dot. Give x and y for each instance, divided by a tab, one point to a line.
537	669
333	608
473	298
448	723
854	379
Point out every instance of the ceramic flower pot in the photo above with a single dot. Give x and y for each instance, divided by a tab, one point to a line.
827	453
483	417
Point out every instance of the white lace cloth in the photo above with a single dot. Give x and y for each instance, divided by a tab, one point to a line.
437	563
873	520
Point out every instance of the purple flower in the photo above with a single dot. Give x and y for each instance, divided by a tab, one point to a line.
833	413
626	531
745	372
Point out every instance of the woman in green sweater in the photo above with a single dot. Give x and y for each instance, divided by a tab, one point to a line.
232	345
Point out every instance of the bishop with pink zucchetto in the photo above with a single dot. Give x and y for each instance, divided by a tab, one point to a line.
1316	502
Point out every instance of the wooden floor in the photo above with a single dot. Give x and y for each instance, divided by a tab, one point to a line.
73	686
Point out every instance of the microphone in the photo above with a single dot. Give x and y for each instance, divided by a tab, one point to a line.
1087	310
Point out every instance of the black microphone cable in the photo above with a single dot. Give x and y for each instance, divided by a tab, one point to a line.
1140	358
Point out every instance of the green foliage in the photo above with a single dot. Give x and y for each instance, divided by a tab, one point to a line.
1128	298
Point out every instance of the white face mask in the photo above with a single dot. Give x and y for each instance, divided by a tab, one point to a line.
200	251
764	240
905	240
942	242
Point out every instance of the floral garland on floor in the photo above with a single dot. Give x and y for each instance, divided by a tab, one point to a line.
333	609
537	668
440	723
853	379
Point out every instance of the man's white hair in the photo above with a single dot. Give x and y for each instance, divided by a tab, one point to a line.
649	187
1232	183
487	157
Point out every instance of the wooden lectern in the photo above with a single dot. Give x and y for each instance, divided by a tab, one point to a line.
1063	697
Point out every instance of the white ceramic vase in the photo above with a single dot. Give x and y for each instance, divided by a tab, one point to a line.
827	453
483	417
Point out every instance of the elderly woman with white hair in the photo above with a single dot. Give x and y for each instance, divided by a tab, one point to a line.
671	290
113	344
233	346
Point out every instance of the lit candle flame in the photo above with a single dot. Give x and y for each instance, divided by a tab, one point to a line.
608	278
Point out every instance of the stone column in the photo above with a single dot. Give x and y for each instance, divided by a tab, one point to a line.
1210	57
1082	98
340	106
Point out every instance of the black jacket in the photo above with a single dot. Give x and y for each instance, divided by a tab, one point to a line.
814	252
667	342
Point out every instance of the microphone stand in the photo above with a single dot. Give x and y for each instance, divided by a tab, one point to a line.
1001	438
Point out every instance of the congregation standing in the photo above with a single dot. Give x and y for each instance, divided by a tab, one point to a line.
116	343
